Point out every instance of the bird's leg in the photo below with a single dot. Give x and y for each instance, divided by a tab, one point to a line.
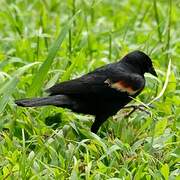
136	107
95	127
99	120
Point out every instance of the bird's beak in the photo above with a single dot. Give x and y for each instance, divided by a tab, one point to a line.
152	71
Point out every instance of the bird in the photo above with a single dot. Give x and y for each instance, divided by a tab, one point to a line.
102	92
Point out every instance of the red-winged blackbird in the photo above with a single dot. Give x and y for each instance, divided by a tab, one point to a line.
102	92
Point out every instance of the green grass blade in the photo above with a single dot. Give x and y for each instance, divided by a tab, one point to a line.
157	20
9	86
165	84
41	75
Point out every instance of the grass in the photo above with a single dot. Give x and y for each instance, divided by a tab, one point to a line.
44	42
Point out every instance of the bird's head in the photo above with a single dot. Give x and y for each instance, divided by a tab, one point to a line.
140	61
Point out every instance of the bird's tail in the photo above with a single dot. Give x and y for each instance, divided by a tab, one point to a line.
57	100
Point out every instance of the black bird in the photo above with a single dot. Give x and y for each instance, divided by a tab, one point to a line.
102	92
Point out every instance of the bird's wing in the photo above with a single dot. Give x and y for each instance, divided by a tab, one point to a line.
101	82
125	82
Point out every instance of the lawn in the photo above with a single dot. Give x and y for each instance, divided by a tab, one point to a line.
43	42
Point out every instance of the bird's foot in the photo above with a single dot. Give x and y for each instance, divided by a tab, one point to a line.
136	107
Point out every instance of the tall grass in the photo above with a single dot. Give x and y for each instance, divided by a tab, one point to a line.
44	42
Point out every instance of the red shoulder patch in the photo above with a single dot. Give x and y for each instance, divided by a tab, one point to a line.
122	86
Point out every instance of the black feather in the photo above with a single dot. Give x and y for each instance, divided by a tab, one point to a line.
102	92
